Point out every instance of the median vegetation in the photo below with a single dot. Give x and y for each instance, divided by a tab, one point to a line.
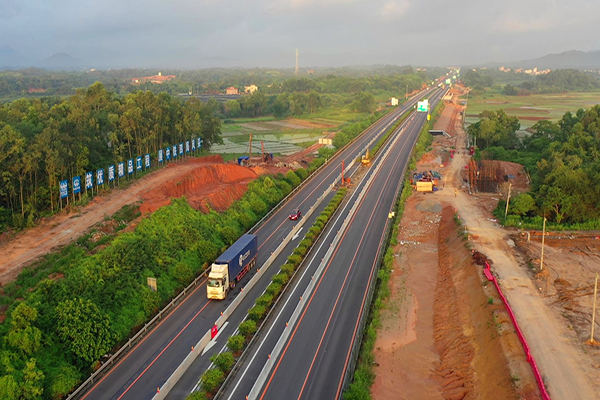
214	377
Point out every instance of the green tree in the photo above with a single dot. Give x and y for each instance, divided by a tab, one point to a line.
9	388
364	102
522	204
33	379
232	109
281	106
22	334
84	328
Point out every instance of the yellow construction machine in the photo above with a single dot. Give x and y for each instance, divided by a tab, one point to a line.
366	159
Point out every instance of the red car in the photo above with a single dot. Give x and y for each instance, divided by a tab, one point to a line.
296	214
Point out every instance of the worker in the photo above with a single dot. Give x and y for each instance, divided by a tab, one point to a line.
455	192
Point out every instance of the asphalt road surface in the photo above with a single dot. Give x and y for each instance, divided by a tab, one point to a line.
153	360
315	356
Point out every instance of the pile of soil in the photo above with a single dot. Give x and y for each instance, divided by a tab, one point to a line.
440	338
467	328
213	186
206	181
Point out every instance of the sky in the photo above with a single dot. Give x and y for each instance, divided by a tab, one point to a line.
265	33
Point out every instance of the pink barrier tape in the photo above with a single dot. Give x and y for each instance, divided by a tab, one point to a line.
536	372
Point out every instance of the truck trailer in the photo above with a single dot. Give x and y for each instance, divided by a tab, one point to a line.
231	266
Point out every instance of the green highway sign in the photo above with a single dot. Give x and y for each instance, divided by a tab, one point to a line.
423	106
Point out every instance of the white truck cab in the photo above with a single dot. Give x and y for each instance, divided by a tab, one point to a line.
218	282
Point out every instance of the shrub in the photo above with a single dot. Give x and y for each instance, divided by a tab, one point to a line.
247	327
302	173
294	259
292	178
235	343
212	379
282	278
257	312
306	242
288	268
197	396
322	219
315	231
300	250
265	300
274	289
223	361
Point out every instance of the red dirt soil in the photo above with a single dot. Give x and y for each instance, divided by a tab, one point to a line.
206	181
444	331
215	186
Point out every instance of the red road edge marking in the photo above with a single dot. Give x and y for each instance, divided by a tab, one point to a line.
343	286
309	302
142	341
165	349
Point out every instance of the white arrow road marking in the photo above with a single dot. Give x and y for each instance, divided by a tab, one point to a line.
297	233
214	340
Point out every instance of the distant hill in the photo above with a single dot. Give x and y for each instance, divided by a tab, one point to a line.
568	59
10	58
61	61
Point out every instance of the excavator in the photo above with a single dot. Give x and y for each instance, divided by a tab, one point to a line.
366	159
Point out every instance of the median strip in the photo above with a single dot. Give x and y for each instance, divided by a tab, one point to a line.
212	379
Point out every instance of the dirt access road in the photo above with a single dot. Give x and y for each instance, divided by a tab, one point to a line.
421	351
567	370
199	178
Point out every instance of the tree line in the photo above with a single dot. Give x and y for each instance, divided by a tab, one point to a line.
558	81
293	104
43	141
521	84
272	82
562	160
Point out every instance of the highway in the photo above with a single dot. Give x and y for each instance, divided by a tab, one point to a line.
149	364
315	351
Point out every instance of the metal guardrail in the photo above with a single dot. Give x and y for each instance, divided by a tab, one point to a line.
139	336
260	381
182	368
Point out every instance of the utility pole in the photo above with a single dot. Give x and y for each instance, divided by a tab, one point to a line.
594	310
507	200
250	150
296	61
543	237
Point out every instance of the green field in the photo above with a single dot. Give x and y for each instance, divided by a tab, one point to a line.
530	109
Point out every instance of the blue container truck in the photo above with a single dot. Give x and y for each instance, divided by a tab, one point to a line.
231	266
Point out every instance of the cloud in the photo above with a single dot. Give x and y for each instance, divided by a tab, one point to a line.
393	10
148	32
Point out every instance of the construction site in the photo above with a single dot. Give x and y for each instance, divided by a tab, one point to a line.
446	332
